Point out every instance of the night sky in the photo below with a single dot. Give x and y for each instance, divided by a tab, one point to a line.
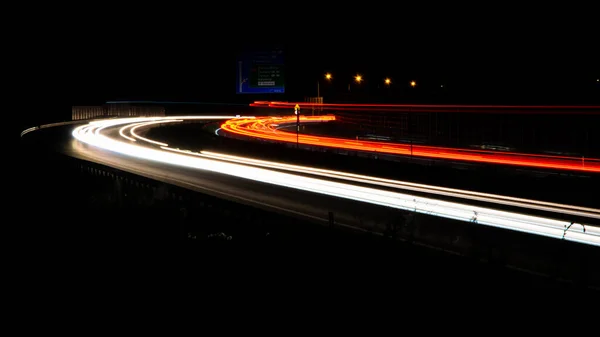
481	58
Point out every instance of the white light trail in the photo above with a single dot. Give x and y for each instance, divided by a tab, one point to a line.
470	195
132	131
122	132
91	134
26	131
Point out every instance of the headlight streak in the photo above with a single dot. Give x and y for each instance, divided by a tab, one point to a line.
122	132
587	234
471	195
132	131
26	131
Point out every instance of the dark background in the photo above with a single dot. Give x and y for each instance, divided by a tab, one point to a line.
88	55
496	71
481	55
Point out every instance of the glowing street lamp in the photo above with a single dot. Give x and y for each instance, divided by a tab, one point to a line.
387	81
328	76
413	84
358	78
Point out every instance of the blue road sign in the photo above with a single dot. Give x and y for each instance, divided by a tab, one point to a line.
260	72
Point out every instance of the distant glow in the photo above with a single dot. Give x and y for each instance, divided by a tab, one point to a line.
328	76
92	134
441	86
413	84
387	81
358	78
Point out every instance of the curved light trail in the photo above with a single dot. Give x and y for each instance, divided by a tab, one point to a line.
137	126
97	134
269	128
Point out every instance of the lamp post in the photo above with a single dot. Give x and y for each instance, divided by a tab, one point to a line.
328	77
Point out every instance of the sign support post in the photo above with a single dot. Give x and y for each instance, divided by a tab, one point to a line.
297	112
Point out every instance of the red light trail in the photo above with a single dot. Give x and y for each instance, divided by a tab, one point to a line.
269	128
500	109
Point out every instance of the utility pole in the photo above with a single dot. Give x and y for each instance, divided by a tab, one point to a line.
318	89
318	95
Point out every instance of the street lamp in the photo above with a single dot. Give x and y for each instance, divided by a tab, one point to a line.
358	78
328	76
412	84
387	81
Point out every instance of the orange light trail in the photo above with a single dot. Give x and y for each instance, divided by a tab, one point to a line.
267	128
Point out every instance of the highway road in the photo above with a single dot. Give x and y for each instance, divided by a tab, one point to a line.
310	192
270	128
